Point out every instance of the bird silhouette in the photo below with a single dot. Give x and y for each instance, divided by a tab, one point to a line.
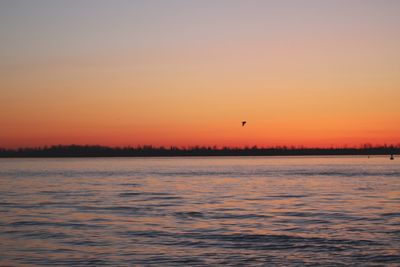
243	123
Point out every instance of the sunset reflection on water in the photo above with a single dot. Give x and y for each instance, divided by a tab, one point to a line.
200	211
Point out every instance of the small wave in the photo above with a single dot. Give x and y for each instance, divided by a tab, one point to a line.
54	224
345	173
130	194
252	241
83	193
7	204
218	215
381	259
263	172
150	196
163	198
190	214
238	216
113	209
45	235
130	184
288	196
391	214
65	261
86	243
323	215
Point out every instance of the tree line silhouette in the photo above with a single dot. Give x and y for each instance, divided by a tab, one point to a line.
173	151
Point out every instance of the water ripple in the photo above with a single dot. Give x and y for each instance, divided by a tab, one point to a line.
200	212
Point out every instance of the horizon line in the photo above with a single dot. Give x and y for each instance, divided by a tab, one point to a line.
213	147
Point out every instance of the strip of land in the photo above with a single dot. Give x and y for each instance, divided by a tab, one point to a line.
150	151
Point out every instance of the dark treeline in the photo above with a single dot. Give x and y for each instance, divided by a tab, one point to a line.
150	151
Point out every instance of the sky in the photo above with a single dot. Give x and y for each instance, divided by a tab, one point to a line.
184	73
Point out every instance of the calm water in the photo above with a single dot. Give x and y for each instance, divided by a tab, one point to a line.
200	211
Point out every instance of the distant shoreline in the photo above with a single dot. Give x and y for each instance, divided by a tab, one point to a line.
75	151
236	156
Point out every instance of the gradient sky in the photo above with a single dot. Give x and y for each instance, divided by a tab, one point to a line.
312	73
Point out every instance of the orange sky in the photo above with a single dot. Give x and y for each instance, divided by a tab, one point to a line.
187	73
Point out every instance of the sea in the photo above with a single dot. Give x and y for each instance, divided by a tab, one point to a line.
200	211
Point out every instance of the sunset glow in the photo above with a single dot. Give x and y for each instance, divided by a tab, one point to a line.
185	73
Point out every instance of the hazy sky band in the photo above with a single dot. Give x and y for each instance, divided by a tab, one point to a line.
188	72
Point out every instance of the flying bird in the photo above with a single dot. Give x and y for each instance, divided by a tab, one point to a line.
243	123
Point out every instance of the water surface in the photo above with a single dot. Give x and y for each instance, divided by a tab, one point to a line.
250	211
